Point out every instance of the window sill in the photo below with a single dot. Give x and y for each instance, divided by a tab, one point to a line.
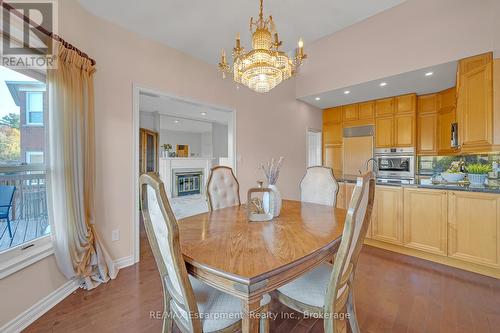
24	255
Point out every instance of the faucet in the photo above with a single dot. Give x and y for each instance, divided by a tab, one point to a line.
374	161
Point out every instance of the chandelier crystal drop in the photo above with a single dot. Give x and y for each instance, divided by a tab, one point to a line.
265	66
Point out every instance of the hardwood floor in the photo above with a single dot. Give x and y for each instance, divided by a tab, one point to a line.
394	293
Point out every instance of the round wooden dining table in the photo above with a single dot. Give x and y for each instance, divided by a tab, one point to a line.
250	259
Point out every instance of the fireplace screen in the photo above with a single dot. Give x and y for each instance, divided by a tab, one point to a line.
188	183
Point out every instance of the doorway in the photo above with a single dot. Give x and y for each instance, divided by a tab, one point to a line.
191	138
314	141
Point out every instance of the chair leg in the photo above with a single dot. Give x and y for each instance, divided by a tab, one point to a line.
351	310
264	322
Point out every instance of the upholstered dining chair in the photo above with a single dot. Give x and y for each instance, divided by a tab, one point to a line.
223	189
184	297
327	291
319	186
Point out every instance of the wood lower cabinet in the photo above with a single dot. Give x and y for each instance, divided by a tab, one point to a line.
425	220
384	132
387	223
474	227
341	196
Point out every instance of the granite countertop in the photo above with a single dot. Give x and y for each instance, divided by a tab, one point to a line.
427	183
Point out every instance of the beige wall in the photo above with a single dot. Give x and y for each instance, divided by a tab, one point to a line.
410	36
267	126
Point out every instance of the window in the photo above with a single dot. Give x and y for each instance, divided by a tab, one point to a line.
34	157
22	173
313	148
34	108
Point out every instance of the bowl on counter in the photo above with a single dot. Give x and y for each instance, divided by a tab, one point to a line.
453	177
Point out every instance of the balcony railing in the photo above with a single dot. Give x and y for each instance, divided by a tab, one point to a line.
29	207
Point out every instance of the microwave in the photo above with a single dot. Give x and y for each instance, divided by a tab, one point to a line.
395	163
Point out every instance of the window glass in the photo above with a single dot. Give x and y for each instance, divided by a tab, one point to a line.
23	217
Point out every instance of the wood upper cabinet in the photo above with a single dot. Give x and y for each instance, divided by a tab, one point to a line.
404	130
350	112
425	220
474	227
427	134
406	104
366	110
446	117
332	133
332	115
427	124
475	102
384	132
332	157
384	107
387	222
427	103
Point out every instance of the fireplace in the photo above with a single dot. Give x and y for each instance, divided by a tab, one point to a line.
187	182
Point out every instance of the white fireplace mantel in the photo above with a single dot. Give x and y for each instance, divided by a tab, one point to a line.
168	165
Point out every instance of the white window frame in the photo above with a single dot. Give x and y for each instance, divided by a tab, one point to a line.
28	111
31	153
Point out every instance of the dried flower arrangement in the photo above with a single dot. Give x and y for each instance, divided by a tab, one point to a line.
272	170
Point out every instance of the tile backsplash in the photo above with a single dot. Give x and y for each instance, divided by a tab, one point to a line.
433	165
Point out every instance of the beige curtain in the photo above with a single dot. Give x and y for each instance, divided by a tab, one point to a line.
70	162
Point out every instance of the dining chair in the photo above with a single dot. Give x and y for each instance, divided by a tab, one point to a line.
6	198
328	289
223	189
319	186
191	304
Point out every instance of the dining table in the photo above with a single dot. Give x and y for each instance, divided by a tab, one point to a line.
250	259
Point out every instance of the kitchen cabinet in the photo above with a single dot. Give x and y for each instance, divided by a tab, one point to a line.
427	103
474	227
341	196
475	102
332	133
384	107
425	220
366	110
387	223
350	112
446	117
384	132
332	157
406	104
427	134
349	188
404	130
332	115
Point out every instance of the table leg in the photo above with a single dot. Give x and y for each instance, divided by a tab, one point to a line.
251	317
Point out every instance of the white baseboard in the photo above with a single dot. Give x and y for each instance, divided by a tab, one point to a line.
124	262
27	317
38	309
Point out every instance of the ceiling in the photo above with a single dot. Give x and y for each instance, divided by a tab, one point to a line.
181	115
443	77
202	27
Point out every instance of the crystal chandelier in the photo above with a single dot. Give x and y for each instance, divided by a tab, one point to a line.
265	66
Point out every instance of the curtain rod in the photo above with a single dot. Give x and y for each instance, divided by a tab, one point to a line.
47	33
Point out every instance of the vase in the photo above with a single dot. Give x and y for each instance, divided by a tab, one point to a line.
276	197
477	179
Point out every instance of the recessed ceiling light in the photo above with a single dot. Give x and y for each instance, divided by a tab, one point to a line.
176	121
317	98
429	73
203	113
347	92
383	84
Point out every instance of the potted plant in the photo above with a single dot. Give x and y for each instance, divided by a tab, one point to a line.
454	172
167	147
477	173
